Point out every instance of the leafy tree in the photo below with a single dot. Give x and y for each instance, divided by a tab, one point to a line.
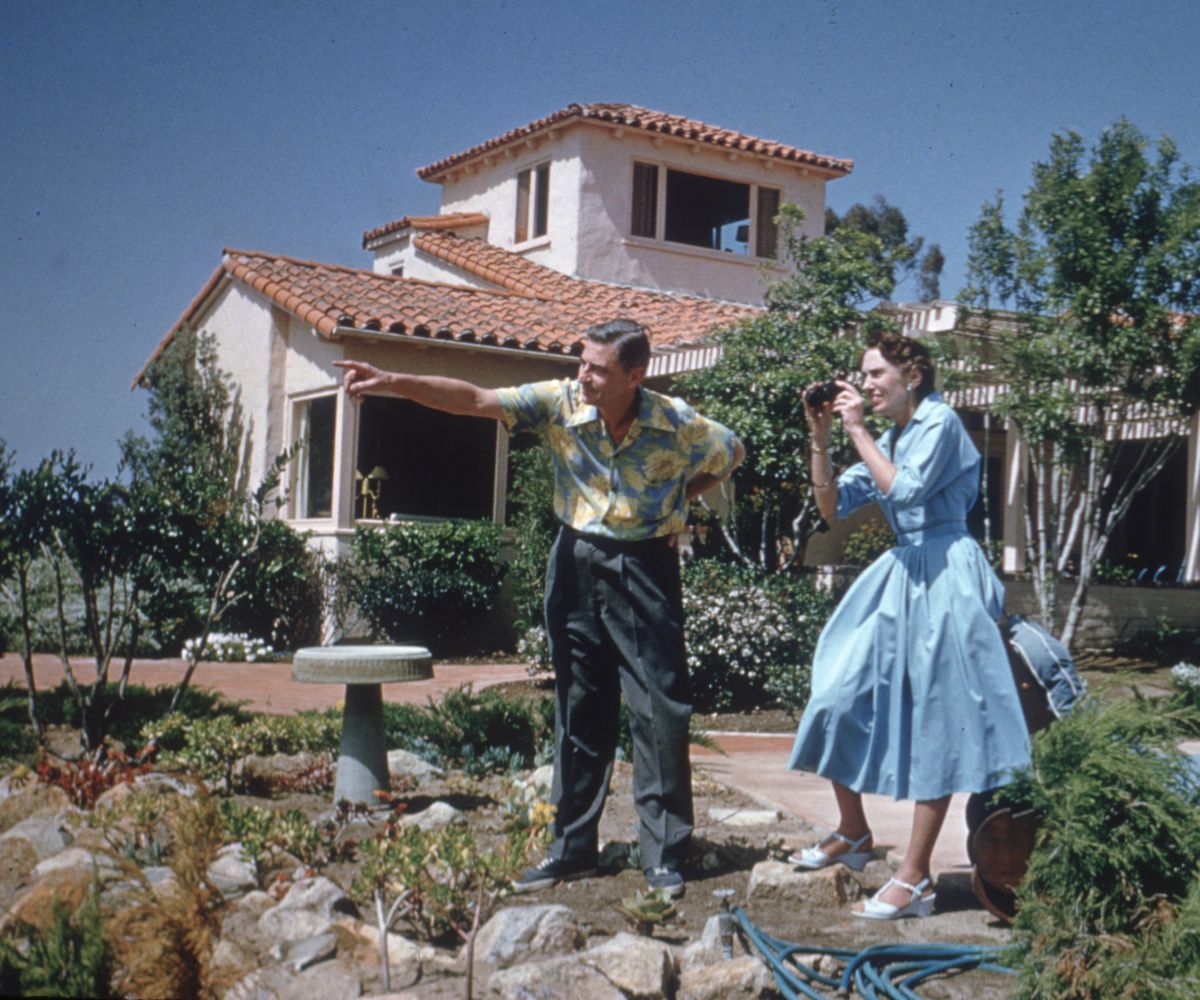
902	256
197	466
766	363
1088	299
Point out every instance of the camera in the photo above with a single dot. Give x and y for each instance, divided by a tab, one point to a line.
822	393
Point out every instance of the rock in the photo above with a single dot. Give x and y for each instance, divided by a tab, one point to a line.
78	858
642	968
557	979
299	955
269	770
255	903
436	817
542	777
232	872
744	817
403	763
327	981
44	832
518	931
405	957
709	948
736	979
309	908
832	886
32	800
230	959
160	781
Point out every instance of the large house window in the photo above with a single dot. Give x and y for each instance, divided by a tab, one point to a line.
703	211
417	462
315	422
533	203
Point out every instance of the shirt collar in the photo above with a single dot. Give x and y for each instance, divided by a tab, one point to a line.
926	405
651	412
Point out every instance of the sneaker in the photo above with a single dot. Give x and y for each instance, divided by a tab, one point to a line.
666	880
551	871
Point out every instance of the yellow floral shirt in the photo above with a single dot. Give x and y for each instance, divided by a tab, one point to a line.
630	491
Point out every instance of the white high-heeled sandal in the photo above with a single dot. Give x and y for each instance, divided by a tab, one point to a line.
813	858
919	906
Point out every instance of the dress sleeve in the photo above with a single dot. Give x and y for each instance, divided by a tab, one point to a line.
856	489
933	457
530	407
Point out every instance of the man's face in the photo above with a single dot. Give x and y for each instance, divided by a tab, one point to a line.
606	383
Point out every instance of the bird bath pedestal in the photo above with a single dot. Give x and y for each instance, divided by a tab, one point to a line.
362	760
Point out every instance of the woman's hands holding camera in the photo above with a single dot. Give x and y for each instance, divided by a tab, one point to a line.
823	399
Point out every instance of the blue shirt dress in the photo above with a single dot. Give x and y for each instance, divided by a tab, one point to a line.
912	694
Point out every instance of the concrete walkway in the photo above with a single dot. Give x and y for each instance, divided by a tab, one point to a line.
756	763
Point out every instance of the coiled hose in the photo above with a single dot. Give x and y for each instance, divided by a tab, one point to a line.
880	972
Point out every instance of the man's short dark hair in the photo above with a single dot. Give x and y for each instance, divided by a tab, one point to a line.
629	338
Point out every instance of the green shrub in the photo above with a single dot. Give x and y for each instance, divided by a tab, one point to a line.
213	747
868	543
534	527
425	583
282	587
70	957
479	733
749	638
1117	854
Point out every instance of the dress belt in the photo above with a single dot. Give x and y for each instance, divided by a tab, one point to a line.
919	535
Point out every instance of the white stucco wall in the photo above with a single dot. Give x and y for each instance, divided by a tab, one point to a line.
240	322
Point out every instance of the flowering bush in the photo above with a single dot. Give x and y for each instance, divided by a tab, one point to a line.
1186	678
222	647
749	637
534	648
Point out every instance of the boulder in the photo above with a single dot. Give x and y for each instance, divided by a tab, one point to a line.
520	931
69	886
32	800
309	907
642	968
743	978
299	955
78	858
44	832
556	979
232	872
401	763
833	886
436	817
327	981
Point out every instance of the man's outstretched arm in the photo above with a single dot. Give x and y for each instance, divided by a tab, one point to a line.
451	395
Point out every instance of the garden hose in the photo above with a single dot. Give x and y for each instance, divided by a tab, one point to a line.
880	972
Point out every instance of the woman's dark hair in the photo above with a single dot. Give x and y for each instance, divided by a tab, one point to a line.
910	356
633	346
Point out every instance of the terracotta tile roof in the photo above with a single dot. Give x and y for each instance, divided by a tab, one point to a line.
428	223
631	116
534	309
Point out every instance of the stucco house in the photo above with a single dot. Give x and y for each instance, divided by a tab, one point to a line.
593	212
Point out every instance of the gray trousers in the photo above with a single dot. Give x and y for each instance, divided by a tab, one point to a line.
614	615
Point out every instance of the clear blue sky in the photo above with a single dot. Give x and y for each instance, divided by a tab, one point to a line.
140	138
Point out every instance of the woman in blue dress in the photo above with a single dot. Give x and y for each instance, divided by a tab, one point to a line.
912	695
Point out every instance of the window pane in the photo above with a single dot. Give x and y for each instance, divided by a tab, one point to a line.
707	212
541	207
436	464
320	417
766	233
521	234
645	200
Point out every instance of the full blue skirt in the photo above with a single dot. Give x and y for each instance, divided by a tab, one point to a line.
912	694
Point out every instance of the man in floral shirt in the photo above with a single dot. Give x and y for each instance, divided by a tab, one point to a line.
626	461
